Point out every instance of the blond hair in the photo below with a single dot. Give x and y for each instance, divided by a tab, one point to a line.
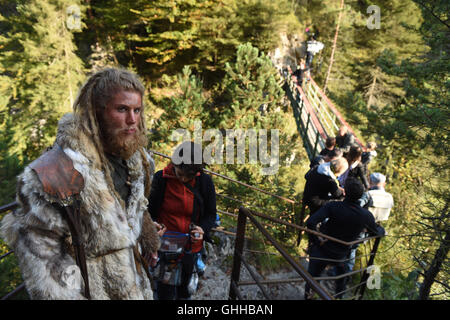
98	90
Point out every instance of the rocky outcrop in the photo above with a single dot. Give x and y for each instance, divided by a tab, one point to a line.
289	52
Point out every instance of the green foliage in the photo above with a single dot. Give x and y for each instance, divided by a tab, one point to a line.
42	74
163	36
395	286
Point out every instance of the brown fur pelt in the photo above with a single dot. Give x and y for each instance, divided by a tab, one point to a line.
149	238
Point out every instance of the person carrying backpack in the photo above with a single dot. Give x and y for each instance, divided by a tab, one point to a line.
182	201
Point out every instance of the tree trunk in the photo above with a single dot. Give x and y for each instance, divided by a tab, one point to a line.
435	267
372	87
341	11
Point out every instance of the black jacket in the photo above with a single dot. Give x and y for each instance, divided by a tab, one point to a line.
359	172
346	220
317	188
204	200
345	142
326	152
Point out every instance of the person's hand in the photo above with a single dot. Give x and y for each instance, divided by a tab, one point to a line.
151	258
322	240
160	228
196	234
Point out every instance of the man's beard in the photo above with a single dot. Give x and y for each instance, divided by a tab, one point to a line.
123	145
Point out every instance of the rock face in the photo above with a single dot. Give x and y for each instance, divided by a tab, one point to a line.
289	52
215	283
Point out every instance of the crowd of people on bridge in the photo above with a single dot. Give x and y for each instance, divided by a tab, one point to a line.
345	202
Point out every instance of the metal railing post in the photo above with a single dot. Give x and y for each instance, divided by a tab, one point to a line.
316	287
300	222
238	250
308	148
315	144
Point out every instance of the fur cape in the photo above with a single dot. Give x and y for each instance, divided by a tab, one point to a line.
40	236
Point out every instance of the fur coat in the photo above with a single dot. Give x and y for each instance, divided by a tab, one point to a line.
40	236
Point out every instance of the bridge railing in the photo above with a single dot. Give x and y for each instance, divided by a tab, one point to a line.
330	110
317	117
238	259
308	124
327	117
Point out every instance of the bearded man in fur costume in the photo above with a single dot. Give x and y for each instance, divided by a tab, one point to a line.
82	229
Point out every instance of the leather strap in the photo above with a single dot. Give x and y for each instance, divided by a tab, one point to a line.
73	220
57	174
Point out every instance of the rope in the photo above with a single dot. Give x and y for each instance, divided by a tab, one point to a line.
233	180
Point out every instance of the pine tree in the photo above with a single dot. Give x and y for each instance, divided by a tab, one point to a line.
425	115
181	110
37	59
253	99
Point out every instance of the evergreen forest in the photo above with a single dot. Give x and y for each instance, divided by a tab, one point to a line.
210	63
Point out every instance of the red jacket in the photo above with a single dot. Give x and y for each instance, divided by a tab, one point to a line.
178	205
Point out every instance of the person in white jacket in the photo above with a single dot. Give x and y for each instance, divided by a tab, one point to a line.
312	48
382	201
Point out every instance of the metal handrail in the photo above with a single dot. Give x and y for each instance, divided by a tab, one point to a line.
320	109
277	281
314	258
351	288
6	254
293	225
9	206
14	292
243	203
243	215
337	113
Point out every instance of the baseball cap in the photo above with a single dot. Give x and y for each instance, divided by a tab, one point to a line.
377	177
